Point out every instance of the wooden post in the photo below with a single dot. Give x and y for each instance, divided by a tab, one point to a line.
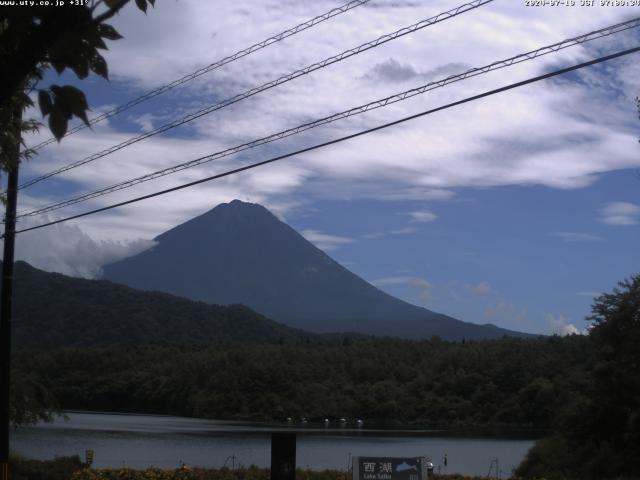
5	320
283	456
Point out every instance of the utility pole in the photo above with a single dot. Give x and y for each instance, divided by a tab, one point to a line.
6	294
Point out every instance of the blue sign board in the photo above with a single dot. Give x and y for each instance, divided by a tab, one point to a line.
389	468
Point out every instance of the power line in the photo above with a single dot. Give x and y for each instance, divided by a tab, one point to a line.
341	115
279	81
342	139
213	66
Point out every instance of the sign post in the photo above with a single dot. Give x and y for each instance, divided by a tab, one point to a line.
6	293
283	456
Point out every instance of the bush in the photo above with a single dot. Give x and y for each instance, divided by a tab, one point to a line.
60	468
251	473
71	468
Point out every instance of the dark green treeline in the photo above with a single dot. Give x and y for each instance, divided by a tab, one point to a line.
501	382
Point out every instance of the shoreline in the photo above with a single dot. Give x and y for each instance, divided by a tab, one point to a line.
502	431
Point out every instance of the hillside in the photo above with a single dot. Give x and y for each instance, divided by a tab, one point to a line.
53	311
241	253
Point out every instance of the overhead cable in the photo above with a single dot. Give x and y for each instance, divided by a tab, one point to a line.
603	32
213	66
341	139
266	86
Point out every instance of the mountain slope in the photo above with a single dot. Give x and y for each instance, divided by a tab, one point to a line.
53	311
241	253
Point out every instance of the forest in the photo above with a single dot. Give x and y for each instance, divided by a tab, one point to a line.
514	382
581	391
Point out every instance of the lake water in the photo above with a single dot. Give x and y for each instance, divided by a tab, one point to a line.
163	441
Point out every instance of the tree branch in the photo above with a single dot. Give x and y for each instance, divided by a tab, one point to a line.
109	13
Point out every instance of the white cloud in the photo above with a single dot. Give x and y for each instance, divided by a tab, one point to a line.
420	284
422	216
558	325
391	71
576	237
399	231
325	241
560	134
482	289
68	250
371	236
403	231
620	214
146	122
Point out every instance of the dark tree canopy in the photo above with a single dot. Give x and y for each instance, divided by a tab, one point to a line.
36	38
598	434
507	382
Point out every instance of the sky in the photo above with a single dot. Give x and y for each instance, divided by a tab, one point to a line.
515	210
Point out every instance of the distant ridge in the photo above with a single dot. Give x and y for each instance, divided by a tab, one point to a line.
53	311
240	253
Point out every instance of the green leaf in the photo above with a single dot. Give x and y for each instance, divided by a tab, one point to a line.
44	100
94	39
99	43
74	102
64	51
142	5
152	2
58	66
25	99
81	113
108	32
99	66
68	101
81	67
58	124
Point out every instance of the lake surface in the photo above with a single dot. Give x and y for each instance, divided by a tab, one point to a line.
163	441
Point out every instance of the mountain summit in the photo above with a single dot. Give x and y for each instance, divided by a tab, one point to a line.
241	253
